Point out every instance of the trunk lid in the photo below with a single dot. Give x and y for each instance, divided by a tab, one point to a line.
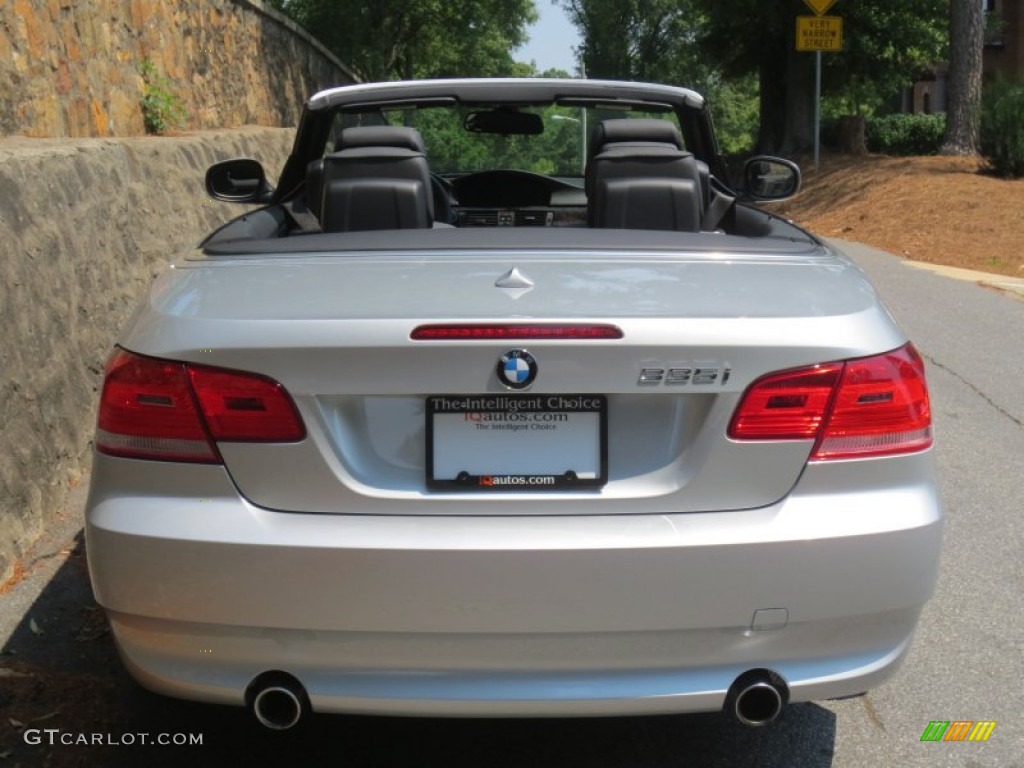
334	329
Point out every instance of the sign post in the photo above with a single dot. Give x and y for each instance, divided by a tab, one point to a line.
818	33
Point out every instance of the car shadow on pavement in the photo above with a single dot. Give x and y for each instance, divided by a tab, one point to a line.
65	700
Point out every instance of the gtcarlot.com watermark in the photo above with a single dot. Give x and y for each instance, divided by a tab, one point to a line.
56	737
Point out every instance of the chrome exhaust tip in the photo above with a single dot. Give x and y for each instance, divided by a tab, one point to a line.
757	697
278	700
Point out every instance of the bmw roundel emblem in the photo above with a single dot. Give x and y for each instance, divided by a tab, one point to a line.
517	369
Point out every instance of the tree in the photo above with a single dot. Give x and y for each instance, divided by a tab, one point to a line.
886	44
651	40
657	40
963	107
389	39
710	44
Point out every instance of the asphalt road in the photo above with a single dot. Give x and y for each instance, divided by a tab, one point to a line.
967	662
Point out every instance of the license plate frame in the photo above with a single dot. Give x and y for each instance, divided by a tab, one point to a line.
509	442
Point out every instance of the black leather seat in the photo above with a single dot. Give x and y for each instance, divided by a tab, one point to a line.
377	179
640	177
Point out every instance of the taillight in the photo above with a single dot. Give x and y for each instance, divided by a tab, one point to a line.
147	411
881	408
786	406
875	406
161	409
245	407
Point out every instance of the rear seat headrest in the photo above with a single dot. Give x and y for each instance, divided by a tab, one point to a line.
382	136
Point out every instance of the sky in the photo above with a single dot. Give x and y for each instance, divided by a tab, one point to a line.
552	39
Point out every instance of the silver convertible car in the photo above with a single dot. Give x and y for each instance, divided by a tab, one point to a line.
507	402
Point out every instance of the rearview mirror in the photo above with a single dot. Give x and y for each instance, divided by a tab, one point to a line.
504	121
241	180
770	178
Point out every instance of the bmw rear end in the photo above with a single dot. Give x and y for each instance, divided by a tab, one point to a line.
492	472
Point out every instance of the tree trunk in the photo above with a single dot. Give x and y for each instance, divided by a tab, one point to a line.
963	101
786	99
772	97
799	127
852	135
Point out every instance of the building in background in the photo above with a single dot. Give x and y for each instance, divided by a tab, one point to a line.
1004	55
1004	38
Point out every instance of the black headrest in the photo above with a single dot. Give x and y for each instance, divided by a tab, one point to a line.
382	136
645	130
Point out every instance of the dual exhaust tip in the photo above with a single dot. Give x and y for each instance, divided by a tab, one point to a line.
279	701
757	697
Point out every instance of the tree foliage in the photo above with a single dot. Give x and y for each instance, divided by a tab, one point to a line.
651	40
658	41
557	151
401	39
886	45
712	45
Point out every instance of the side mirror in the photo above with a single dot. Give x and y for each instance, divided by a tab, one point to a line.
770	178
241	180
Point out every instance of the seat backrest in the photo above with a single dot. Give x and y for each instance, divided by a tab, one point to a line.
377	179
640	177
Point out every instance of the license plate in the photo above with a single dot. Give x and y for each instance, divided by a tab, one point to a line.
517	442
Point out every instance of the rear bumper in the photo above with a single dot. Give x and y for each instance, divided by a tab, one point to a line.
502	675
587	615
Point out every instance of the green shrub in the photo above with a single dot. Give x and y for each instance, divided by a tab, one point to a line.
734	107
1002	126
905	134
161	107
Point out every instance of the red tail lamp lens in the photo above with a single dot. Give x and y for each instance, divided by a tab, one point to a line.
882	408
172	411
786	406
875	406
245	407
147	411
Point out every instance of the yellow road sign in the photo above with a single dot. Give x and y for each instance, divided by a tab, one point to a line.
820	7
819	33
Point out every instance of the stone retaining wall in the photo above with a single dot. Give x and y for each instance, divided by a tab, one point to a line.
71	67
86	226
